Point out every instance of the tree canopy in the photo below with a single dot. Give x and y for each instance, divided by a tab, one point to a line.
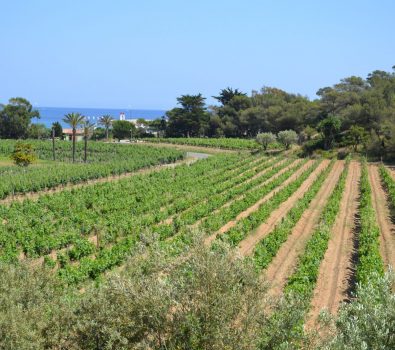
191	119
15	118
58	129
122	129
325	122
354	101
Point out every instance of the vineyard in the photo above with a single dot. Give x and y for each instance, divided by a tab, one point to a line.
225	143
315	229
104	160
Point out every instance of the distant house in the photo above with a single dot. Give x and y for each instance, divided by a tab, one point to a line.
68	134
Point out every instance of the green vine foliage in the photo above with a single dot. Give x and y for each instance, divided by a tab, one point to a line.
369	262
267	249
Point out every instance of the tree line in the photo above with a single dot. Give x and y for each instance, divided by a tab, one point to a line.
16	123
356	111
353	112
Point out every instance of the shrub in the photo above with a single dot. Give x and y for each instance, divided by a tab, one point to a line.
367	322
23	154
287	138
265	139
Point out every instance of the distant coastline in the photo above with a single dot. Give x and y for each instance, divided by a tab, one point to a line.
49	115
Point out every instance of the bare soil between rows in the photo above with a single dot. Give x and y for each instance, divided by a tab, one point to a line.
383	216
256	205
170	220
336	274
287	257
246	247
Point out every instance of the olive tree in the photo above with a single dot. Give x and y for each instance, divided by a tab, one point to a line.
36	310
287	138
212	300
369	321
265	139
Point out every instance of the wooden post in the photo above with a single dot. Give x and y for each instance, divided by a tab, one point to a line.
85	146
53	143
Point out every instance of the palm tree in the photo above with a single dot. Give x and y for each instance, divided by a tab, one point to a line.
74	120
106	121
88	128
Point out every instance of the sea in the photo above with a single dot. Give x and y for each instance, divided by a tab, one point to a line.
49	115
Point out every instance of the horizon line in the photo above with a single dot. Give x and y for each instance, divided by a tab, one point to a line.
114	108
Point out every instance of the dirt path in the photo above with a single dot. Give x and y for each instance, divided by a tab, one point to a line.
193	148
246	247
336	270
35	195
383	215
256	206
286	259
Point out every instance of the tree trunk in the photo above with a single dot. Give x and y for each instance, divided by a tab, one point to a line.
74	131
53	144
107	133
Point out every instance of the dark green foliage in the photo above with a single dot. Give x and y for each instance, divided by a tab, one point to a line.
158	125
106	121
15	118
38	131
58	129
330	128
122	129
191	119
226	95
75	120
98	134
356	136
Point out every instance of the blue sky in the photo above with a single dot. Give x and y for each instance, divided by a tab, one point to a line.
143	54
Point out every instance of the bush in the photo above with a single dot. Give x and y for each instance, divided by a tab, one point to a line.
342	154
34	313
204	296
211	300
310	146
287	138
368	322
23	154
265	139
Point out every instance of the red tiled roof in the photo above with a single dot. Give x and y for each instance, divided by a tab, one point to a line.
70	131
